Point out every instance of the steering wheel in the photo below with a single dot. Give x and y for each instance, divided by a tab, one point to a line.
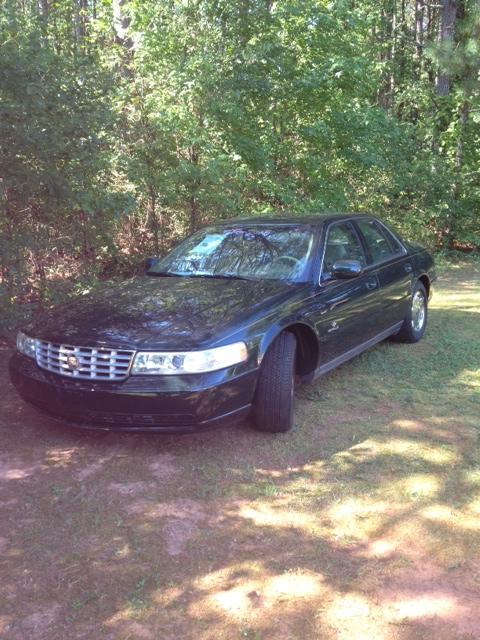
295	261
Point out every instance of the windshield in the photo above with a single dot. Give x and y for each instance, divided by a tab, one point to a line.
270	253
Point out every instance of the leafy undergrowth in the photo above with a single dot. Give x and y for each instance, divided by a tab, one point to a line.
364	523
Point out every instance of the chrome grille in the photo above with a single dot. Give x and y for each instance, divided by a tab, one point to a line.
83	362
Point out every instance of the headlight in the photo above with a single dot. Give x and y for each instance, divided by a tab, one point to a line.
167	363
26	345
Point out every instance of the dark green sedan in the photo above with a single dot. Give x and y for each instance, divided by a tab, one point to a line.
225	324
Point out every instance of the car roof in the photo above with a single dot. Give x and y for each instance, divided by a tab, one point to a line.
311	220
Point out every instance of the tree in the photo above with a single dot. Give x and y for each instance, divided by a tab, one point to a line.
127	123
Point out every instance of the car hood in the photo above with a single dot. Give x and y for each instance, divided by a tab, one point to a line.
160	312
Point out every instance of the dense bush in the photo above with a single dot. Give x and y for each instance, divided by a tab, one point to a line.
125	125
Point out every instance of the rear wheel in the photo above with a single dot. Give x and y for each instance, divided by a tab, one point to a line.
415	321
274	398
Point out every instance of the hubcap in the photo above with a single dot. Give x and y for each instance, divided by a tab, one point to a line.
418	311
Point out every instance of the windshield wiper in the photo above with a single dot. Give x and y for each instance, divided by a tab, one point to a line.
170	274
221	276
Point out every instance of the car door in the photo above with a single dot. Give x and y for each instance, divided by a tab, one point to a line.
389	261
346	311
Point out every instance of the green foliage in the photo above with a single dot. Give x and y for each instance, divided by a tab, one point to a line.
125	125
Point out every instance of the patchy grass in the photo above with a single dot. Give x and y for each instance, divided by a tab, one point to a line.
362	523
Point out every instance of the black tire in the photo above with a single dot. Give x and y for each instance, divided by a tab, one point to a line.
274	399
411	331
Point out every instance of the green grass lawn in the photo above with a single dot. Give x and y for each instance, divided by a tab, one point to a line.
361	524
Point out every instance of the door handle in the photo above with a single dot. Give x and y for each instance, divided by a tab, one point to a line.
408	268
371	284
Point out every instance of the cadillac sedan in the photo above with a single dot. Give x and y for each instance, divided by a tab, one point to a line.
226	324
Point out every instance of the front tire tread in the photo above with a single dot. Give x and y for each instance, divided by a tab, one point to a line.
273	405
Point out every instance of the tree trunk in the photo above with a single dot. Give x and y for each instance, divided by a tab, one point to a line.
43	6
386	25
193	155
39	272
419	21
121	23
193	213
430	31
462	122
446	32
400	54
81	20
154	221
393	54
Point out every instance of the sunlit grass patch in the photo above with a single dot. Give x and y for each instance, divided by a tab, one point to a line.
470	378
357	518
278	517
362	523
472	476
407	450
421	486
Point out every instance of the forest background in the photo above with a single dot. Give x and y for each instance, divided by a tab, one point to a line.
126	124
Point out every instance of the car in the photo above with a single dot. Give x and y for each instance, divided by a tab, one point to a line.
226	324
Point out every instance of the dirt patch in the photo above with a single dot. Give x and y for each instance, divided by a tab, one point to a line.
360	524
15	468
131	489
164	467
177	534
131	629
181	519
426	592
36	625
182	509
90	469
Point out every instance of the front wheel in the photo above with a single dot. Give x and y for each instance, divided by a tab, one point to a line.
274	399
415	321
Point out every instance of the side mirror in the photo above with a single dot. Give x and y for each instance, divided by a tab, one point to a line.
150	262
344	269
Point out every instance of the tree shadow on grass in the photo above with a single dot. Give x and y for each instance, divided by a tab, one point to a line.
366	527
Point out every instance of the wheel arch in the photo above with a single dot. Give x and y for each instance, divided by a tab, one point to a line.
307	346
425	280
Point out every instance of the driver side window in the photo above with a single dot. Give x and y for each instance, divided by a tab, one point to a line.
342	243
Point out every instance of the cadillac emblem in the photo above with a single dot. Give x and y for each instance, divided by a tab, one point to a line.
72	362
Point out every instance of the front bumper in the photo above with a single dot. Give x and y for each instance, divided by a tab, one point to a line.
173	404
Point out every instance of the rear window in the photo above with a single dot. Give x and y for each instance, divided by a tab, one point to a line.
394	243
381	243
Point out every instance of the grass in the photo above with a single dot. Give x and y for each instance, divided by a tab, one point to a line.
362	523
